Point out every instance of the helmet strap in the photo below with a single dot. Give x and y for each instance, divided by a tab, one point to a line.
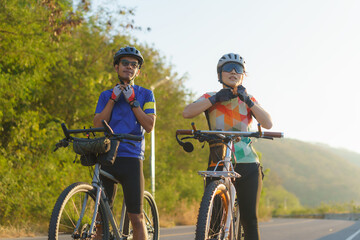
131	82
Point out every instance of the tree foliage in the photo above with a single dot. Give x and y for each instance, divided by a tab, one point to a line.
55	62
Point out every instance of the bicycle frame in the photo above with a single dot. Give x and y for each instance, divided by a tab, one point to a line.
100	196
123	209
226	175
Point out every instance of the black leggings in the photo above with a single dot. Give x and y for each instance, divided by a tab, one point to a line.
248	190
129	172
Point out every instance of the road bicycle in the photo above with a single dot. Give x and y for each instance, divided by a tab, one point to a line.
82	210
219	216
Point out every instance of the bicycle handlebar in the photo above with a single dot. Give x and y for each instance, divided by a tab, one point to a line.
208	135
184	132
107	129
273	134
234	133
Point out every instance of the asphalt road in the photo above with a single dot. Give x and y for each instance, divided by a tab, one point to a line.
287	229
277	229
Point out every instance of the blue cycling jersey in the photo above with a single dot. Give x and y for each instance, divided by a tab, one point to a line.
123	120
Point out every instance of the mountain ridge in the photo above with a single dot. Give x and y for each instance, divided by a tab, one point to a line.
315	173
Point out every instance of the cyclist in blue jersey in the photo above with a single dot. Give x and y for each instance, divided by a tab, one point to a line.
128	108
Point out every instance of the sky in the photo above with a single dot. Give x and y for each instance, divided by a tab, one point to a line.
302	57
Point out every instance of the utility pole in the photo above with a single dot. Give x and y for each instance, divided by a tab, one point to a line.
152	151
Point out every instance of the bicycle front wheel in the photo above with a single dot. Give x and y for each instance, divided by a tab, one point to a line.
236	229
213	212
73	212
151	217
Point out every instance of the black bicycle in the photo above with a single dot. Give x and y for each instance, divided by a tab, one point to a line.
82	210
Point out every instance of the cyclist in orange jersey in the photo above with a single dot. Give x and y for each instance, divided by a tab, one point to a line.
232	109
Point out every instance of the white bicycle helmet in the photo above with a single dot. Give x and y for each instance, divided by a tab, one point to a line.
230	57
227	58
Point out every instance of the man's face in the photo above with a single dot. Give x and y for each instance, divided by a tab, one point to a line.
128	68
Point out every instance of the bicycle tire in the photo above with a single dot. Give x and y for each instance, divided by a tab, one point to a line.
236	227
151	215
67	209
213	212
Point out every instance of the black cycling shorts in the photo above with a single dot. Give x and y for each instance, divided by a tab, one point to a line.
129	172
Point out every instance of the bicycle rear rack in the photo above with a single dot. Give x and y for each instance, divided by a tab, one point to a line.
221	174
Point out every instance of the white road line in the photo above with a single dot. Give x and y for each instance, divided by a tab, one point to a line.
354	235
285	223
177	234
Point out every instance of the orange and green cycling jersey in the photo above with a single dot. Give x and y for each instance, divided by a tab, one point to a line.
232	115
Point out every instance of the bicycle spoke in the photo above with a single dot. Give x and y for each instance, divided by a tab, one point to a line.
73	213
67	214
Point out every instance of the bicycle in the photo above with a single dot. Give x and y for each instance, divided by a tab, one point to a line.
219	216
82	210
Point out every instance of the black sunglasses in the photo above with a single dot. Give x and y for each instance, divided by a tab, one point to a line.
228	67
126	63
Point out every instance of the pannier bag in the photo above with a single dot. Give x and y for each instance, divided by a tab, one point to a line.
108	159
88	146
88	159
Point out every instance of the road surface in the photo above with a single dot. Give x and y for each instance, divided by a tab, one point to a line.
276	229
287	229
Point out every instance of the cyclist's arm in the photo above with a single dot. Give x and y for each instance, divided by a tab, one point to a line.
195	108
147	121
261	116
104	115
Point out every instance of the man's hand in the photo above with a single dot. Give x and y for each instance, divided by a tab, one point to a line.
116	93
223	95
129	93
241	91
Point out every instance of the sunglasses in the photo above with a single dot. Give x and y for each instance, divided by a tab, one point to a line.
126	63
228	67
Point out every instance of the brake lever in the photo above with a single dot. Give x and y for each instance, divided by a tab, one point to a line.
62	143
186	138
56	148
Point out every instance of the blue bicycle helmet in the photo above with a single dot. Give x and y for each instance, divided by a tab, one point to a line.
128	51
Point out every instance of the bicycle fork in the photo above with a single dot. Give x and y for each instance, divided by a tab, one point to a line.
229	217
232	192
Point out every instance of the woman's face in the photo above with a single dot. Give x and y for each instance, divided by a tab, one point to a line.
232	78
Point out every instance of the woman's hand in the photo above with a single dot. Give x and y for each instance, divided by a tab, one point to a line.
223	95
241	92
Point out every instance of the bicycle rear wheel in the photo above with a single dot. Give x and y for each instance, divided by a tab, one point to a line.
73	212
213	212
151	216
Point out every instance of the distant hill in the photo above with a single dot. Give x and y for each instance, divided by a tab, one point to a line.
314	173
344	153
